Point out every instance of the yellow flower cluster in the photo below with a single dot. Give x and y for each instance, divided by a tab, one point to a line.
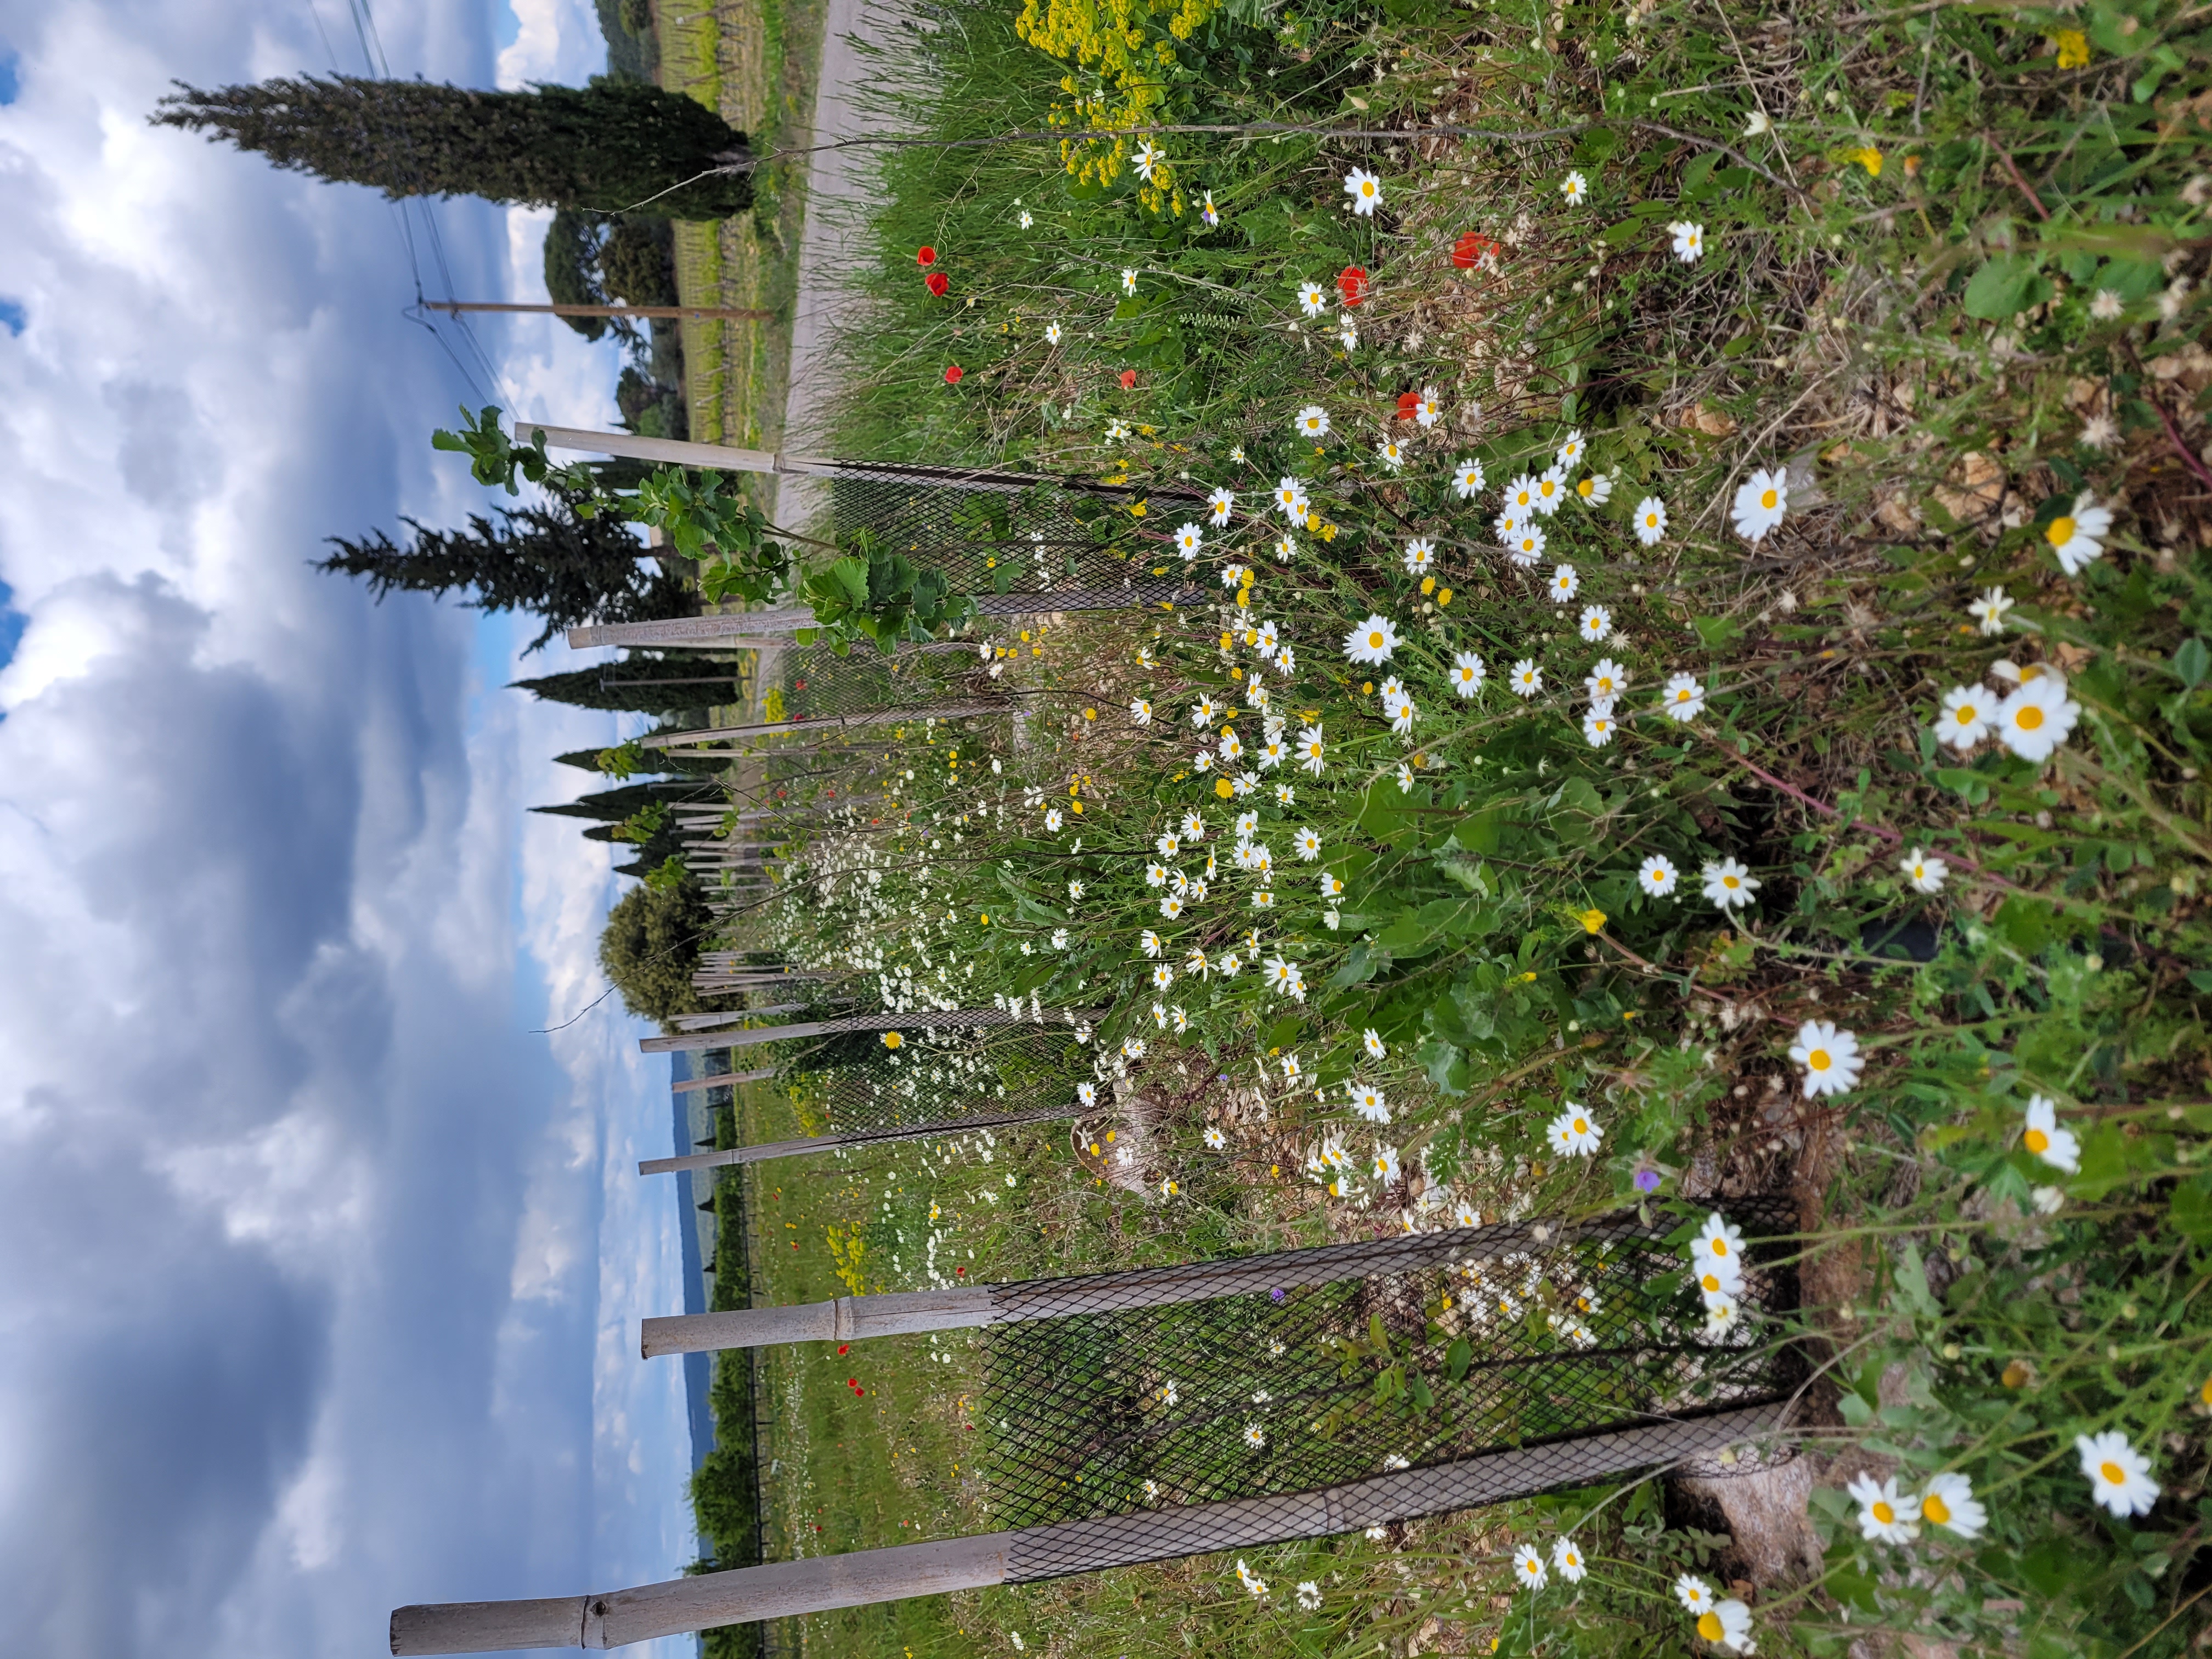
1130	45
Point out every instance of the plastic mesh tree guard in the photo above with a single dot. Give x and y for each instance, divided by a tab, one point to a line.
1003	533
1309	1369
942	1077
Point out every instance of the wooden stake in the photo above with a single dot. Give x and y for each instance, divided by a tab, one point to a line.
730	313
825	1583
774	1149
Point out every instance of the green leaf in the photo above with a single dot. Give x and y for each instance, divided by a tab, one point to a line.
2191	1209
2193	661
2001	287
1717	632
1458	1358
1446	1066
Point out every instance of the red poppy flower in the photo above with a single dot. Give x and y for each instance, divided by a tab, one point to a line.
1469	250
844	1347
1128	380
926	257
937	282
952	374
1407	402
1352	283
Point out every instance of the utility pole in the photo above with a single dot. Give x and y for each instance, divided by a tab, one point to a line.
730	313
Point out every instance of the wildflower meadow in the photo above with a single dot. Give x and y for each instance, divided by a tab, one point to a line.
1698	687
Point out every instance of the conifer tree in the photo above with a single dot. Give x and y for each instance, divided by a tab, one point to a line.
607	146
691	683
545	560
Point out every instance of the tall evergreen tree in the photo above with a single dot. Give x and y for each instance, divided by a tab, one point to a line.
609	145
687	685
544	560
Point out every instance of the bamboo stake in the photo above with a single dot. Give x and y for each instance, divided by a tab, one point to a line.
825	1583
921	1020
723	1156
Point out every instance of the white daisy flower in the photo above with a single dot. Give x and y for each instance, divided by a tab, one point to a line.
1830	1057
1571	451
1194	828
1689	240
1730	1625
1728	884
1365	191
1347	334
1760	501
1371	1041
1574	1133
1116	430
1467	673
1384	1169
1564	583
1428	408
1948	1501
1208	212
1658	876
1467	480
1526	547
1684	699
1567	1561
1087	1093
1595	490
1311	421
1026	220
1885	1514
2054	1144
1694	1594
1574	187
1551	490
1528	1568
1606	681
1140	712
1421	556
1599	725
1292	1072
1371	641
1149	157
1650	522
1528	679
1596	623
1128	280
2119	1474
1291	499
1924	871
1367	1101
1309	1595
1188	539
1150	941
1218	505
1331	885
1390	453
2036	719
1521	498
1719	1247
1964	721
1313	299
1310	749
1307	844
2078	537
1052	333
1988	610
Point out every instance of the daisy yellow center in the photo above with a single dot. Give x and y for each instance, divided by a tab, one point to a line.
1767	500
1604	682
892	1039
2113	1473
1582	1126
1934	1509
1711	1284
1720	1247
1966	713
2037	1141
2029	719
1682	697
1548	487
1919	871
1374	642
1709	1626
1368	188
2205	1394
1818	1059
2061	531
1729	882
1651	518
1586	487
1883	1513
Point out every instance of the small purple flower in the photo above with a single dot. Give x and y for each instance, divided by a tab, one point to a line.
1275	1296
1647	1181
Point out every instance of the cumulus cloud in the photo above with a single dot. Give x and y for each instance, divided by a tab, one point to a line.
321	1262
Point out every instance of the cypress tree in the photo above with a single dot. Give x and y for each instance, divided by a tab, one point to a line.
543	560
588	688
607	146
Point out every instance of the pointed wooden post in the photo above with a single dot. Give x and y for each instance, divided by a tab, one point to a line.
823	1584
774	1149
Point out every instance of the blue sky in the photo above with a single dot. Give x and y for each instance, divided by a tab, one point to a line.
321	1263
